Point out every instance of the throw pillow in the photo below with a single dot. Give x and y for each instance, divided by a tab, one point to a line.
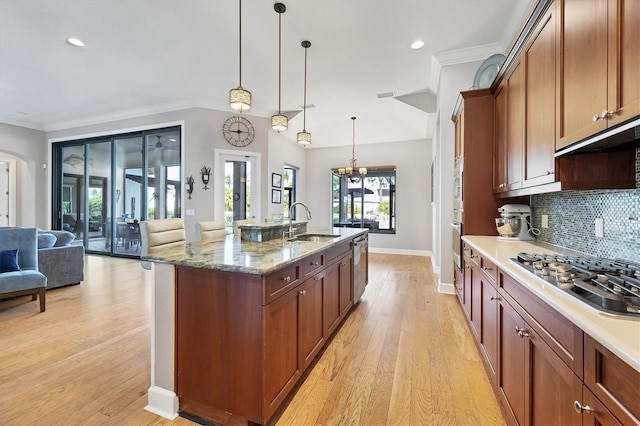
9	261
46	240
63	238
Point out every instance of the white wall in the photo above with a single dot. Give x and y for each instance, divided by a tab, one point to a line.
283	152
453	80
28	148
412	160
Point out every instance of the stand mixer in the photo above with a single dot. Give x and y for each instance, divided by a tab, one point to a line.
514	222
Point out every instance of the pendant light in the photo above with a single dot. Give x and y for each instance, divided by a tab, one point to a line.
353	172
304	137
239	98
279	122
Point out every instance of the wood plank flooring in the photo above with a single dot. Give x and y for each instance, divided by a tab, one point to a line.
404	356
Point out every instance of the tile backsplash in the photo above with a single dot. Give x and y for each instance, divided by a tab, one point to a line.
572	216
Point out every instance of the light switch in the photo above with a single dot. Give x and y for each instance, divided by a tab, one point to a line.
545	221
191	212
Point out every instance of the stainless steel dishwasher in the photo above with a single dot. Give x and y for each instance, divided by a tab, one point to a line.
360	265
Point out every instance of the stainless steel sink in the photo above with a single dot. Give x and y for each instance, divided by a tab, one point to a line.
313	238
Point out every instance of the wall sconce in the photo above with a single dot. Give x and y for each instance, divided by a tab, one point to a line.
190	182
205	172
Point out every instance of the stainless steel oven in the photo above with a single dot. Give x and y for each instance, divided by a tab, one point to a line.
458	189
457	243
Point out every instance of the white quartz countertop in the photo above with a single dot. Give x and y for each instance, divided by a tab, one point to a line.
621	335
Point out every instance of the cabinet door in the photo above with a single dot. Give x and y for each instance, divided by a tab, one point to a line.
540	142
583	69
346	284
282	366
512	369
311	335
624	60
476	301
331	302
466	291
500	140
595	413
537	385
515	126
489	327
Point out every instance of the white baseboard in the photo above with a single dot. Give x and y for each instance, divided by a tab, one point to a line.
446	288
400	251
162	402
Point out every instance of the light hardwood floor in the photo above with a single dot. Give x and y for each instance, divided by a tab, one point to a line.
404	356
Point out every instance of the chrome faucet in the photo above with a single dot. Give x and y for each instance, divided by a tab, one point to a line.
291	209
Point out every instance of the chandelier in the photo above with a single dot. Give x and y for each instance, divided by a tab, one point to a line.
353	172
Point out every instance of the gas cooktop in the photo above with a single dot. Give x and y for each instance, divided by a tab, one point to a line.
610	285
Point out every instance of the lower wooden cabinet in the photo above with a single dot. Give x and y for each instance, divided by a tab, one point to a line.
544	369
311	328
346	280
535	384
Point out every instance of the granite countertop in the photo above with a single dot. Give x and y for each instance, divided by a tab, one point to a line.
236	255
621	335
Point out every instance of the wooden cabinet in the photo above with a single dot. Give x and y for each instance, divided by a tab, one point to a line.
474	118
536	386
243	341
611	381
539	57
599	54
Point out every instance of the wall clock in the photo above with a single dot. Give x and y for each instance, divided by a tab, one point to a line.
238	131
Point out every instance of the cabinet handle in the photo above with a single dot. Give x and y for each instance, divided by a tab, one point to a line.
522	332
317	278
286	279
581	408
314	263
303	292
484	268
603	116
495	298
467	266
473	256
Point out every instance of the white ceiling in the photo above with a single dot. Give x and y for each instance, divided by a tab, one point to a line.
145	56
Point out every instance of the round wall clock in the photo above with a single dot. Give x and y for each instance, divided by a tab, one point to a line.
238	131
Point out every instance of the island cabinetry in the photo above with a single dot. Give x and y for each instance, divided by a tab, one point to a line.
599	49
243	341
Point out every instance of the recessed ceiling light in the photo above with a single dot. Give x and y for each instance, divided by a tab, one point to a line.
417	44
75	42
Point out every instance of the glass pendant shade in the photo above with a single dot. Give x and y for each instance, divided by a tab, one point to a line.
279	123
240	99
304	138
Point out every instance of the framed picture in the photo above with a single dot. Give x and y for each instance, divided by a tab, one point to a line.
276	196
276	180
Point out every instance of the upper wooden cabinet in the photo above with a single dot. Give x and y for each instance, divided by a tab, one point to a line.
599	59
539	57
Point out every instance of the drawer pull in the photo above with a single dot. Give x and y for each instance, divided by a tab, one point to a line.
286	279
605	114
314	263
581	408
303	292
522	332
467	266
494	298
484	268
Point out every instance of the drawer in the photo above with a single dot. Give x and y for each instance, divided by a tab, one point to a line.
612	381
279	282
564	337
489	268
334	254
471	254
312	264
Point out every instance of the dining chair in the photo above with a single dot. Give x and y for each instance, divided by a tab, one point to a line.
160	233
212	230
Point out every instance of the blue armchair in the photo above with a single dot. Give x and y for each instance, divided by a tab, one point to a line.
21	276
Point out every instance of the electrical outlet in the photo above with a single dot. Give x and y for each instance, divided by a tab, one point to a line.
191	212
599	227
545	221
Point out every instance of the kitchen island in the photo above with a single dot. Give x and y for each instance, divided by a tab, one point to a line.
235	323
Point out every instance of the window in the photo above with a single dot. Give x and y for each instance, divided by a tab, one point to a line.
367	202
289	190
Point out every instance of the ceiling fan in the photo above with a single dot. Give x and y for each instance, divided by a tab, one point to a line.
160	146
